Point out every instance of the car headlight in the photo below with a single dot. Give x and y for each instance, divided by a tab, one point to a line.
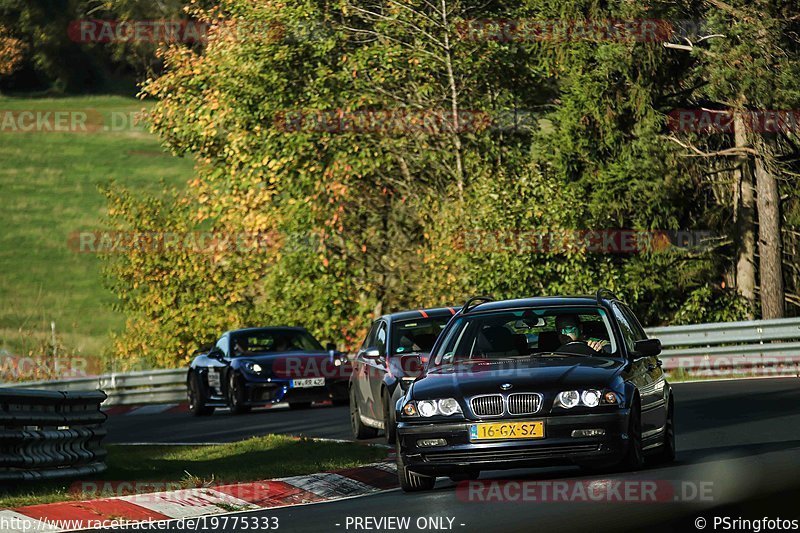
590	398
254	368
429	408
448	407
568	398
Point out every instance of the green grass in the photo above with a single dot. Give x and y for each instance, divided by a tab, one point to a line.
259	458
49	189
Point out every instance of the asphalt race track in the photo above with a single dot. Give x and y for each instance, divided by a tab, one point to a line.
325	421
738	439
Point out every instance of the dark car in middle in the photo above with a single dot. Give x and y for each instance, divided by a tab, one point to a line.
391	356
261	366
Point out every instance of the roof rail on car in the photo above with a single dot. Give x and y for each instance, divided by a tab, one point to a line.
605	292
474	302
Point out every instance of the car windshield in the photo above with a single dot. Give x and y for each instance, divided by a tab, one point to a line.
533	332
417	335
273	340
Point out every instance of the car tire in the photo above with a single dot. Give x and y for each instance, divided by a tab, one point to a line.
469	475
634	456
411	481
360	431
299	405
389	419
341	401
666	452
197	401
236	396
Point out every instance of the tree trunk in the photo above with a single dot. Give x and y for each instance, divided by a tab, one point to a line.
745	221
451	80
769	230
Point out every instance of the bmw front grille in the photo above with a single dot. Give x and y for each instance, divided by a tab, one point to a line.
489	405
524	403
518	403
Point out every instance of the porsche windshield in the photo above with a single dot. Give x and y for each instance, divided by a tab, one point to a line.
273	340
528	333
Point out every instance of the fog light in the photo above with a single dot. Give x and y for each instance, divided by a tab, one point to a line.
588	432
610	397
427	443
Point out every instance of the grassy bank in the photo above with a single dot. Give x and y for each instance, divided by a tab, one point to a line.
49	182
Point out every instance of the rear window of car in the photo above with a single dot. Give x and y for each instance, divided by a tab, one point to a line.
525	333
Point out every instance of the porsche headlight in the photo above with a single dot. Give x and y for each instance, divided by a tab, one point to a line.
253	368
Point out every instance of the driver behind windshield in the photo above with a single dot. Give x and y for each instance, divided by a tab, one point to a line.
241	346
570	329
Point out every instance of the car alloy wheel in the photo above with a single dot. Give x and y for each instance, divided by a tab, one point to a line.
411	481
235	396
634	458
666	452
389	420
197	406
360	431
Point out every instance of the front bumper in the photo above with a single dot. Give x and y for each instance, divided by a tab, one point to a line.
558	447
281	390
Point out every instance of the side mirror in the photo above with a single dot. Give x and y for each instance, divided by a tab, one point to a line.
647	347
216	353
371	353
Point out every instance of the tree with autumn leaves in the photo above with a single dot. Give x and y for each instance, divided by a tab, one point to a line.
11	52
382	141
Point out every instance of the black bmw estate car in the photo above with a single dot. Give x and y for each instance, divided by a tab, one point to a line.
536	382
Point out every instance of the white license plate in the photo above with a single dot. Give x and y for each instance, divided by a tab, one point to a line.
308	382
214	379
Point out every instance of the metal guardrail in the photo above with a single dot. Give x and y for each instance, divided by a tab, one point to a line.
766	346
50	434
697	349
131	388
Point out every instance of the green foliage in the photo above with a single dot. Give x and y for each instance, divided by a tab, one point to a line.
370	222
